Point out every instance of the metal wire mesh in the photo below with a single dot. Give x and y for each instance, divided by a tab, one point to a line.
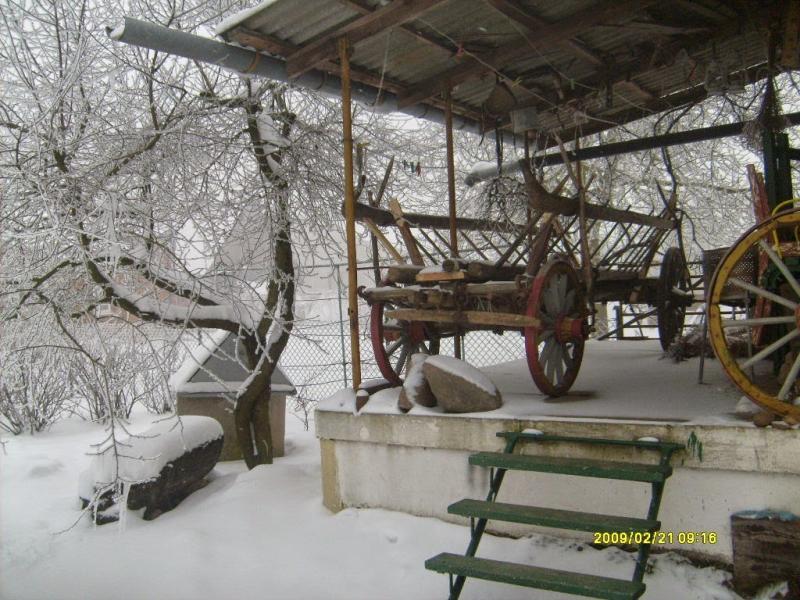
317	357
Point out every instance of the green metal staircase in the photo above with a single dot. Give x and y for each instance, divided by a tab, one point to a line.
480	512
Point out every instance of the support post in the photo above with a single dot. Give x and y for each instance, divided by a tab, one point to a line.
350	212
451	192
777	168
451	171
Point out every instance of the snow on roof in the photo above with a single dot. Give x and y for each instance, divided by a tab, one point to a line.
217	365
241	16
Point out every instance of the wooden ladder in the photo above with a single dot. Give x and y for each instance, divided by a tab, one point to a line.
480	512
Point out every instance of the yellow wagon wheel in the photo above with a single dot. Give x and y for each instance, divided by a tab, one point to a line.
767	373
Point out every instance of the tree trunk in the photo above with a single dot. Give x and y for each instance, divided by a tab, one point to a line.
265	347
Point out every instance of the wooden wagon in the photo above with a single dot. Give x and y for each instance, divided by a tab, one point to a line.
539	278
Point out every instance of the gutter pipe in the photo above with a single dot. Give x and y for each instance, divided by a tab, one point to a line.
248	62
636	145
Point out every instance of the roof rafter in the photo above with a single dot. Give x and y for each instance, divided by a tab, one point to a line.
268	43
516	12
607	11
393	14
625	74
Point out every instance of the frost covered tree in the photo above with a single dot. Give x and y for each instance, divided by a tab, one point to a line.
147	186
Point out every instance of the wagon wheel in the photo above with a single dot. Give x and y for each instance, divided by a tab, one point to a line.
671	298
393	342
781	331
555	348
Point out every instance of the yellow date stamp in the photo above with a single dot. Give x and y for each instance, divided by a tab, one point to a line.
607	538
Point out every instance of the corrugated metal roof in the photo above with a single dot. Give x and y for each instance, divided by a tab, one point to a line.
680	40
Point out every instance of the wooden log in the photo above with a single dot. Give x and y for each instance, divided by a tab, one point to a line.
540	199
765	550
406	274
389	293
405	231
488	271
467	317
454	264
384	218
492	288
441	276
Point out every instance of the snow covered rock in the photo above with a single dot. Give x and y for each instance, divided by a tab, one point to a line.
415	388
459	387
159	467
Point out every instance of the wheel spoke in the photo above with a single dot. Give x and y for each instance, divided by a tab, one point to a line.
781	266
763	293
551	299
401	359
791	377
771	348
547	351
569	301
549	367
394	346
559	363
726	323
567	358
561	282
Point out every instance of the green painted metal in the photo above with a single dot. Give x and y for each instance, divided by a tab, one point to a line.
480	512
541	437
573	466
536	577
777	167
550	517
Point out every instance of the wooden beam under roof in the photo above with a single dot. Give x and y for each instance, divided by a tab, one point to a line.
393	14
516	12
603	12
626	73
269	43
609	119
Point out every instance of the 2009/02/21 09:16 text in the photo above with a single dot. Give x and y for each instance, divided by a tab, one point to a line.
654	537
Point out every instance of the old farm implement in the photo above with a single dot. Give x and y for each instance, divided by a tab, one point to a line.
538	278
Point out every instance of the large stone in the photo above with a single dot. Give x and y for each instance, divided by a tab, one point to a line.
185	455
459	387
415	388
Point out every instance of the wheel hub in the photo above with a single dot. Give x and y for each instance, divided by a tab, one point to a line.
569	329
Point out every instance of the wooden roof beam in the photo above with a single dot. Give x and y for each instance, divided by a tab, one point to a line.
361	6
516	12
604	12
625	74
269	43
393	14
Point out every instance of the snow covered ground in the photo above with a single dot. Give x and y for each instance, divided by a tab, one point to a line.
257	534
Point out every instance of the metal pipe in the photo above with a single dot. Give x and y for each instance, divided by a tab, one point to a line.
249	62
657	141
350	212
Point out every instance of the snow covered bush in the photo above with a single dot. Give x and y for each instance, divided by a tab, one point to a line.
121	364
33	393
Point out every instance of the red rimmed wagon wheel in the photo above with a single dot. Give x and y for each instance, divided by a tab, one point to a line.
393	342
554	348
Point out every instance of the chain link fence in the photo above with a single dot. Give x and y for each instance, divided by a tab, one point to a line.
317	356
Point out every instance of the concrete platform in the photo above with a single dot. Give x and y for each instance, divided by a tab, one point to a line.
417	462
